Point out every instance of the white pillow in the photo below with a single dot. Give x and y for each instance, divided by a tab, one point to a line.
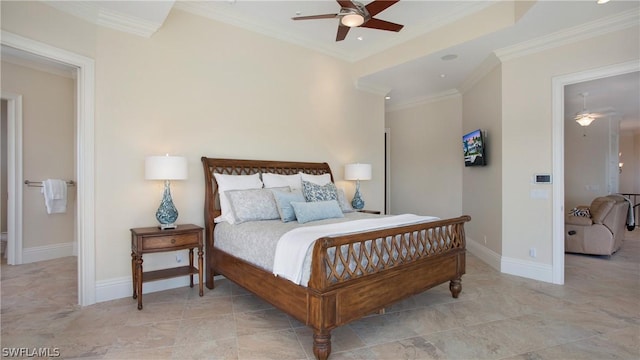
233	182
272	180
316	179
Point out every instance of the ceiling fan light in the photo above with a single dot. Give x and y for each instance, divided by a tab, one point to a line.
352	20
585	120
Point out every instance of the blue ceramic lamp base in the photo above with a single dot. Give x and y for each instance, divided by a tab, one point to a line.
357	202
167	213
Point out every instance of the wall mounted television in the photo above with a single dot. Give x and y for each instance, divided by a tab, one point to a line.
473	145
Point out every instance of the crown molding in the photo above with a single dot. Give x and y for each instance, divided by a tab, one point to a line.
422	100
372	88
229	17
94	13
589	30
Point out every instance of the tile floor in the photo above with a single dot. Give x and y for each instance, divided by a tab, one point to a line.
595	315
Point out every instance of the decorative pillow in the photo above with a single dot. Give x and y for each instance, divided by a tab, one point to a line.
345	205
584	212
314	192
233	182
253	204
277	180
316	179
283	203
319	210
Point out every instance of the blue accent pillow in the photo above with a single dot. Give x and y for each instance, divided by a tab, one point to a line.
314	192
317	210
283	203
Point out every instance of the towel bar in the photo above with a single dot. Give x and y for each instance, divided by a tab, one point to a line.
39	183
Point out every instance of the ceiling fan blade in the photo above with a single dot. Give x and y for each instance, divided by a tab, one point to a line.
312	17
377	6
382	25
342	32
346	4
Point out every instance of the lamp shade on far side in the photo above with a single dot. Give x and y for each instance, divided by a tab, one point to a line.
166	168
357	172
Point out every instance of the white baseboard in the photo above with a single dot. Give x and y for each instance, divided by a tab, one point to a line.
527	269
511	266
122	287
485	254
47	252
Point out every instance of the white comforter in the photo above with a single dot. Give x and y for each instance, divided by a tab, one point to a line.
293	246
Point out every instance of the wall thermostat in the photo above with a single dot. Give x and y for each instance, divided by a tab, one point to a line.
542	178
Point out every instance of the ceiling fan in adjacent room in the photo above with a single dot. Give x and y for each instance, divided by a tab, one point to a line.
584	117
354	14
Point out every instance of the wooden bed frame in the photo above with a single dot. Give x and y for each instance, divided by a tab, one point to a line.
336	296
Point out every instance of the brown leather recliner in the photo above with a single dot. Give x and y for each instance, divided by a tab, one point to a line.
600	234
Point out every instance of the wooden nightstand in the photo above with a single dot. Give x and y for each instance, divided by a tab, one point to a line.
151	240
369	211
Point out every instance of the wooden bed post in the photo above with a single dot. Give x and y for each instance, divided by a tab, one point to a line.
456	287
321	344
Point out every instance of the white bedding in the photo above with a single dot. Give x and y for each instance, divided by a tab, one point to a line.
294	246
256	241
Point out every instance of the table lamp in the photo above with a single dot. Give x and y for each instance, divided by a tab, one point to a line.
166	168
357	172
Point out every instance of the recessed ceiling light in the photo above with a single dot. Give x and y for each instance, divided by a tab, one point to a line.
600	2
449	57
387	97
298	13
443	75
360	38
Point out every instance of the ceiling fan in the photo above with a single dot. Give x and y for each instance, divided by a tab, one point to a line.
354	14
584	117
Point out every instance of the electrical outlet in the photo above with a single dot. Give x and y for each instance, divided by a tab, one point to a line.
532	252
485	239
178	258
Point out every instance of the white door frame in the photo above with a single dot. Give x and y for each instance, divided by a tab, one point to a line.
558	84
14	183
85	102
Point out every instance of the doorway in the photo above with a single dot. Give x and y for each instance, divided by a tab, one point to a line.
84	110
558	101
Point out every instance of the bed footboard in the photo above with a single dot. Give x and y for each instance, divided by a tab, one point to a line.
355	275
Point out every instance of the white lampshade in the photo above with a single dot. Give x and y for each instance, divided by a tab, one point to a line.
165	168
357	172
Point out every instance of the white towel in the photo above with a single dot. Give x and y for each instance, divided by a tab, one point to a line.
55	195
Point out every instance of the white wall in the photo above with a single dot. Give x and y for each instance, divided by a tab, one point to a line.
201	88
426	158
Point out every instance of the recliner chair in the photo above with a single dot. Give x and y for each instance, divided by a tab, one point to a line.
602	232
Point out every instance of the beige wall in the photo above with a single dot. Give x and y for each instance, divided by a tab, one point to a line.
482	186
586	157
426	158
630	150
48	143
198	87
527	132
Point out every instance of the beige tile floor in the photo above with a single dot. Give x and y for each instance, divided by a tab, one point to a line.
595	315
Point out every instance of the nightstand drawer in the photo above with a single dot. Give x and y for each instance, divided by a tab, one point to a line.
169	241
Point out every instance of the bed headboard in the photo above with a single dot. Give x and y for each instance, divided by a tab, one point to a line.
248	167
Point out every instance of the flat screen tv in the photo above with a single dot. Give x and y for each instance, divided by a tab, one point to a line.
473	146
